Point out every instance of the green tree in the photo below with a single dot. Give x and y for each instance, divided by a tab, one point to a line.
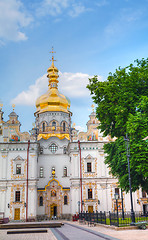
122	107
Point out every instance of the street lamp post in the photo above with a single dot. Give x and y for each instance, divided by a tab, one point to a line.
122	205
116	198
129	175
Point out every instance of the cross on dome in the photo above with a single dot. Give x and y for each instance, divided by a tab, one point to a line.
13	106
52	55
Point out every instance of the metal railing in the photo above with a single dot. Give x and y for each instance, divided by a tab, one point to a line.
112	218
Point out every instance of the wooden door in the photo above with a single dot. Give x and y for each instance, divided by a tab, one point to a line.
90	209
53	210
17	214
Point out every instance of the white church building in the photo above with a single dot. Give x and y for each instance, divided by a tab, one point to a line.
56	171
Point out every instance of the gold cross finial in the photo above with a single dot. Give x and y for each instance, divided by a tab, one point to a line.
52	55
1	105
13	106
93	107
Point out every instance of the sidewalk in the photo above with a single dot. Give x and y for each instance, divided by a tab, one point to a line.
133	234
31	236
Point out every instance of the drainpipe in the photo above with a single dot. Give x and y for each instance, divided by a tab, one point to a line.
27	182
80	175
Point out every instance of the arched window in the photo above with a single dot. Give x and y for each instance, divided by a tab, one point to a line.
41	201
43	127
64	127
65	200
65	172
53	148
54	125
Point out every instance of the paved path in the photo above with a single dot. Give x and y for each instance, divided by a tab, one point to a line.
74	232
28	236
134	234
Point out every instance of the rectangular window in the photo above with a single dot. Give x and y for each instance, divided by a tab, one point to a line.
18	168
89	167
65	172
41	201
17	196
117	192
65	200
90	193
41	172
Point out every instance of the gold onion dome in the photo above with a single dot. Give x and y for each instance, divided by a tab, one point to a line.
52	100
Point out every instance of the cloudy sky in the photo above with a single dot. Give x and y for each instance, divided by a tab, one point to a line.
90	37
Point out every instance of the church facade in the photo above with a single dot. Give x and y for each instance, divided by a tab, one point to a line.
56	171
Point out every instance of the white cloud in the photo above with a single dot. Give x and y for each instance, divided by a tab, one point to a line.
77	9
125	18
72	85
12	19
56	7
29	96
80	128
102	3
50	7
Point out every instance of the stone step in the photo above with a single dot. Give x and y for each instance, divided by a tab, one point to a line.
27	231
31	225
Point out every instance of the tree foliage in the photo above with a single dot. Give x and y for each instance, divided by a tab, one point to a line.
122	108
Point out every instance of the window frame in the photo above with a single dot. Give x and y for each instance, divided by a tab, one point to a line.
64	127
90	195
65	171
41	172
17	196
18	168
41	201
65	200
54	124
117	191
43	127
53	148
89	168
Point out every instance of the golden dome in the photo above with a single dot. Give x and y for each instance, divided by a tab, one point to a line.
52	100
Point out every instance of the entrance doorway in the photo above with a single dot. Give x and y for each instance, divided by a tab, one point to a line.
53	211
90	209
17	214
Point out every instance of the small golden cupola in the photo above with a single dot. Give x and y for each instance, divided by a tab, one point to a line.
52	100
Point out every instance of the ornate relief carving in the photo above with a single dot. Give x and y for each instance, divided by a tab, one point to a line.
53	195
90	174
18	176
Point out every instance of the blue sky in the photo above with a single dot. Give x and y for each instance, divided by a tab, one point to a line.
90	37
